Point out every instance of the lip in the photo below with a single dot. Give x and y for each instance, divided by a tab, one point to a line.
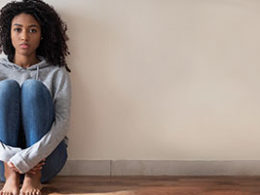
24	45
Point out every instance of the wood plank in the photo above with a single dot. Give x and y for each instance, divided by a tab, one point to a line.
136	185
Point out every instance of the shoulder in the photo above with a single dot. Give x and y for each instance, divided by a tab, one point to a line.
3	60
60	77
59	70
61	73
61	83
56	72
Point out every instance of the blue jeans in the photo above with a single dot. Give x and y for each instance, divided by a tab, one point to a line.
26	115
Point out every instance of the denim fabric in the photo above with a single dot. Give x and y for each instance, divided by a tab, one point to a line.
26	115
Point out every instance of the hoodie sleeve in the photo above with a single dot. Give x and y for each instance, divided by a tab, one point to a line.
6	152
31	156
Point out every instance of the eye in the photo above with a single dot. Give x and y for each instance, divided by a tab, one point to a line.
17	29
33	30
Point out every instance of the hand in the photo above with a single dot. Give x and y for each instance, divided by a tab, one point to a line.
37	168
12	167
33	171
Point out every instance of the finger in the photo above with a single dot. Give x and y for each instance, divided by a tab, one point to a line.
43	160
38	169
37	166
14	169
40	165
11	165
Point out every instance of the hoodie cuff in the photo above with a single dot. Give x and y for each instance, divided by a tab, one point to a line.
7	152
20	164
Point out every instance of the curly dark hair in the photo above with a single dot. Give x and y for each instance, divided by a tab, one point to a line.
53	46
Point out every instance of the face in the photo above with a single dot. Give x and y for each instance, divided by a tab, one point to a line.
25	34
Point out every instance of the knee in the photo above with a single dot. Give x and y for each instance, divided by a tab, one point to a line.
11	87
9	84
31	83
33	88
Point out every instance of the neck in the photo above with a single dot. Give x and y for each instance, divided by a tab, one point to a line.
25	61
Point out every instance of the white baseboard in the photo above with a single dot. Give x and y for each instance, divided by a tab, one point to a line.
161	167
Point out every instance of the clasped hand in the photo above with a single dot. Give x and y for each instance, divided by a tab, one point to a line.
33	171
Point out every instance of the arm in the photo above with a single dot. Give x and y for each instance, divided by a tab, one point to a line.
6	152
29	157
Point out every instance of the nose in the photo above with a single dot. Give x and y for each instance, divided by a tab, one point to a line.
24	35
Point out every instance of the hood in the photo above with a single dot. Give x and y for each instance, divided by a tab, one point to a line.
36	67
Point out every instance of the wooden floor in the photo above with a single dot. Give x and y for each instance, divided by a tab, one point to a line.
154	186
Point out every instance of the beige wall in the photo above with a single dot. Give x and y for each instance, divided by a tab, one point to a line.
164	79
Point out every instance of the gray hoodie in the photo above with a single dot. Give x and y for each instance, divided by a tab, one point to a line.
57	80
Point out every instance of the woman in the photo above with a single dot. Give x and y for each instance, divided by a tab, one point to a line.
34	96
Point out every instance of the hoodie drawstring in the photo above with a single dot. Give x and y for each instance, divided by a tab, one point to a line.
37	73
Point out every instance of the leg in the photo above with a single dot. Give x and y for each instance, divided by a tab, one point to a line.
9	112
9	129
54	162
37	117
37	110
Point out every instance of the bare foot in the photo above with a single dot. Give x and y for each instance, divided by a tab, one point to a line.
11	186
31	184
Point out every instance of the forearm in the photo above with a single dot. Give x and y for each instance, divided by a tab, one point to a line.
7	152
